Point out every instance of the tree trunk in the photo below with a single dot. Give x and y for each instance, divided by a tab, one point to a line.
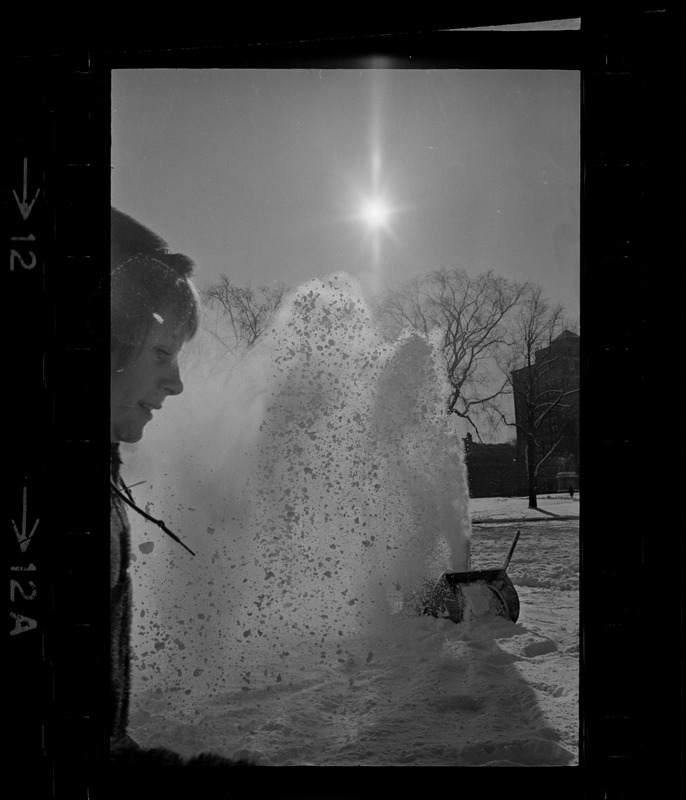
531	470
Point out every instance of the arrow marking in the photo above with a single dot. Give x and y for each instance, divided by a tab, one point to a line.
24	206
23	537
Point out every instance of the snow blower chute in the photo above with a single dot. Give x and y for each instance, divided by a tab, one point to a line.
450	596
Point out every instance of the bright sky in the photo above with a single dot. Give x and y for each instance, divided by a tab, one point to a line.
288	174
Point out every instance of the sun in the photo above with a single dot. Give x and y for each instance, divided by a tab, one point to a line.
375	212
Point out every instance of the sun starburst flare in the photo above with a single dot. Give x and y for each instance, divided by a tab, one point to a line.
375	212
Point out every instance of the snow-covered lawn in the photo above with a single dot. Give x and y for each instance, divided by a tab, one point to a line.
550	506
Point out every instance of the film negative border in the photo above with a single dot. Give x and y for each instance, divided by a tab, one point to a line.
56	164
58	167
630	251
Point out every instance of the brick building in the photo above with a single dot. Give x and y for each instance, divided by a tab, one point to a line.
555	370
493	470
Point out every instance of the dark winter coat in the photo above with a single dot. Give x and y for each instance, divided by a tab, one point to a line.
120	609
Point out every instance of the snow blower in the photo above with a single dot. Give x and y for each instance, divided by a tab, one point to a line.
451	595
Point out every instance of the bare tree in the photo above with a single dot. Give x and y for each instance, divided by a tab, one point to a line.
542	386
470	313
249	311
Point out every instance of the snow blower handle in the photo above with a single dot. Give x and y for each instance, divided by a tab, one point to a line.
512	547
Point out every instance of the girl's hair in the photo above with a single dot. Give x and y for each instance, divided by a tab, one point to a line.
148	282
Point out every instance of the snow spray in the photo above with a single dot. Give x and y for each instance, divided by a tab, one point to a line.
317	477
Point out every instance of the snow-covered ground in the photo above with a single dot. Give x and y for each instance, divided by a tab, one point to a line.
419	690
506	509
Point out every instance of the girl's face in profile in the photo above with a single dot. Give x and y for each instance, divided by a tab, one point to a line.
140	388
